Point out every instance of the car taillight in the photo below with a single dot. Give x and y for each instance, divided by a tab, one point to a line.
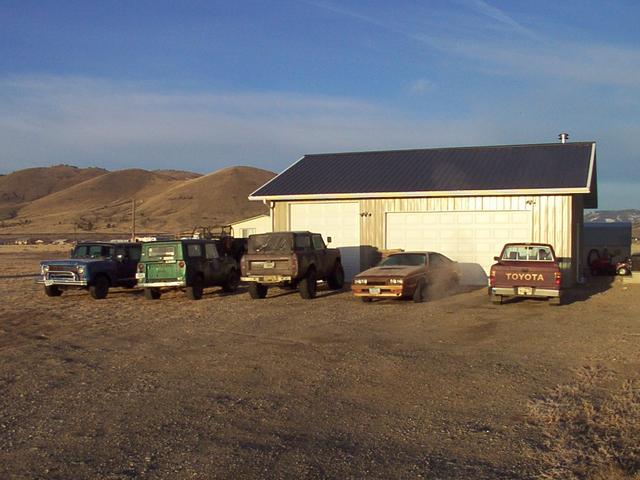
181	264
244	267
492	277
558	278
141	267
294	263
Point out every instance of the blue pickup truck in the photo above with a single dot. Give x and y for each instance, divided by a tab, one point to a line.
94	266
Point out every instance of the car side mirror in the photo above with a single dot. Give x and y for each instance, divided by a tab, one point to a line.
497	259
328	239
120	257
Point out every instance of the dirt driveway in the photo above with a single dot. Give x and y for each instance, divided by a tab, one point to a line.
227	387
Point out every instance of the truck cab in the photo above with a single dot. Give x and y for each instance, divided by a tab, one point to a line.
526	270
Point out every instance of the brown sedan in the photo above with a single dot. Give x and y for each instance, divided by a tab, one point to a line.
406	274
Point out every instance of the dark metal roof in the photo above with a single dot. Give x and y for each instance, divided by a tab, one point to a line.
498	168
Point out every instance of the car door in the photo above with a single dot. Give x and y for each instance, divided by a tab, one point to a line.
320	254
215	270
129	263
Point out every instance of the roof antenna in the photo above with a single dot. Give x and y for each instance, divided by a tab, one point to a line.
563	137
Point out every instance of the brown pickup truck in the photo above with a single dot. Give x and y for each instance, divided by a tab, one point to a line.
290	260
526	270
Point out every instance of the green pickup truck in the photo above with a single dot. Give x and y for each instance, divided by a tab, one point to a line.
188	264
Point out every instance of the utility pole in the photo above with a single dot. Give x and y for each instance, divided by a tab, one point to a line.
133	219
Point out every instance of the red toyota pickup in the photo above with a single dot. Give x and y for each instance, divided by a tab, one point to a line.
526	270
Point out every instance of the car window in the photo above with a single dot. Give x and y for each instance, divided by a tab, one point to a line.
318	243
436	260
134	253
93	251
302	242
210	251
194	250
405	259
161	251
528	253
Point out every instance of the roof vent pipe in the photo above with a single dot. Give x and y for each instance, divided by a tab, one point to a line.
563	137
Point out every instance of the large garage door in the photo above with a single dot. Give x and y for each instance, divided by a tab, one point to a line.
467	237
340	221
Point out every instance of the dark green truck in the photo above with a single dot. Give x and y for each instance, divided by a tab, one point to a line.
188	264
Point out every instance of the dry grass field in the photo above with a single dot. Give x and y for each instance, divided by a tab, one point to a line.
227	387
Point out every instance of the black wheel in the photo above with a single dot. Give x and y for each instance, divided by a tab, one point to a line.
496	299
100	288
308	285
420	293
257	290
366	299
233	280
194	292
152	293
52	291
336	279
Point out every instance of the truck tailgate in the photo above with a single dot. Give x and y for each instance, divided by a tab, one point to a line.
512	274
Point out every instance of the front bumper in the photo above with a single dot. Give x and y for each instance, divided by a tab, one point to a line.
63	282
390	291
267	279
161	284
527	292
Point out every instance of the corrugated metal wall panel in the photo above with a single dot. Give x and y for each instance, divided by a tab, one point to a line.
554	218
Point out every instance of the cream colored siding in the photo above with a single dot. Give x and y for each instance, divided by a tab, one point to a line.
259	224
555	219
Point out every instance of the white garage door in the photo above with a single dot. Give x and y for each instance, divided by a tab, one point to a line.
340	221
467	237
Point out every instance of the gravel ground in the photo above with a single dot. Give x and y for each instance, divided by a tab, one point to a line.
229	387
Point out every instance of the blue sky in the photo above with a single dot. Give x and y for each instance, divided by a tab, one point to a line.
201	85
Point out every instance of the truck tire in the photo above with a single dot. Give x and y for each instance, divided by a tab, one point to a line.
555	301
496	299
308	285
152	293
420	293
194	292
336	279
257	290
100	288
52	291
232	282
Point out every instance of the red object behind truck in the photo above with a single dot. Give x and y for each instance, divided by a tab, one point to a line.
526	270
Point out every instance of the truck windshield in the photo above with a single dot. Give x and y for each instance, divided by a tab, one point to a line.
161	251
528	253
270	242
408	259
92	251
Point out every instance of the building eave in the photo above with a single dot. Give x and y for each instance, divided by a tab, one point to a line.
452	193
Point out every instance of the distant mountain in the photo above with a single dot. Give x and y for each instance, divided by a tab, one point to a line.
629	215
65	199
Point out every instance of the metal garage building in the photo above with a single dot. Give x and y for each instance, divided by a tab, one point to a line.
464	202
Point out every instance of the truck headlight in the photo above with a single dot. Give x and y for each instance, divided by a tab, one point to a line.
80	270
395	281
360	281
44	268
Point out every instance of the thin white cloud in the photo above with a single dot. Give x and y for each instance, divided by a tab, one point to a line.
421	86
501	17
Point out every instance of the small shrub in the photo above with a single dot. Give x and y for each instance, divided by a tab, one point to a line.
590	428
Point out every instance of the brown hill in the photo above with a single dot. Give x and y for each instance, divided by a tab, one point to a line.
166	200
23	186
214	199
32	183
